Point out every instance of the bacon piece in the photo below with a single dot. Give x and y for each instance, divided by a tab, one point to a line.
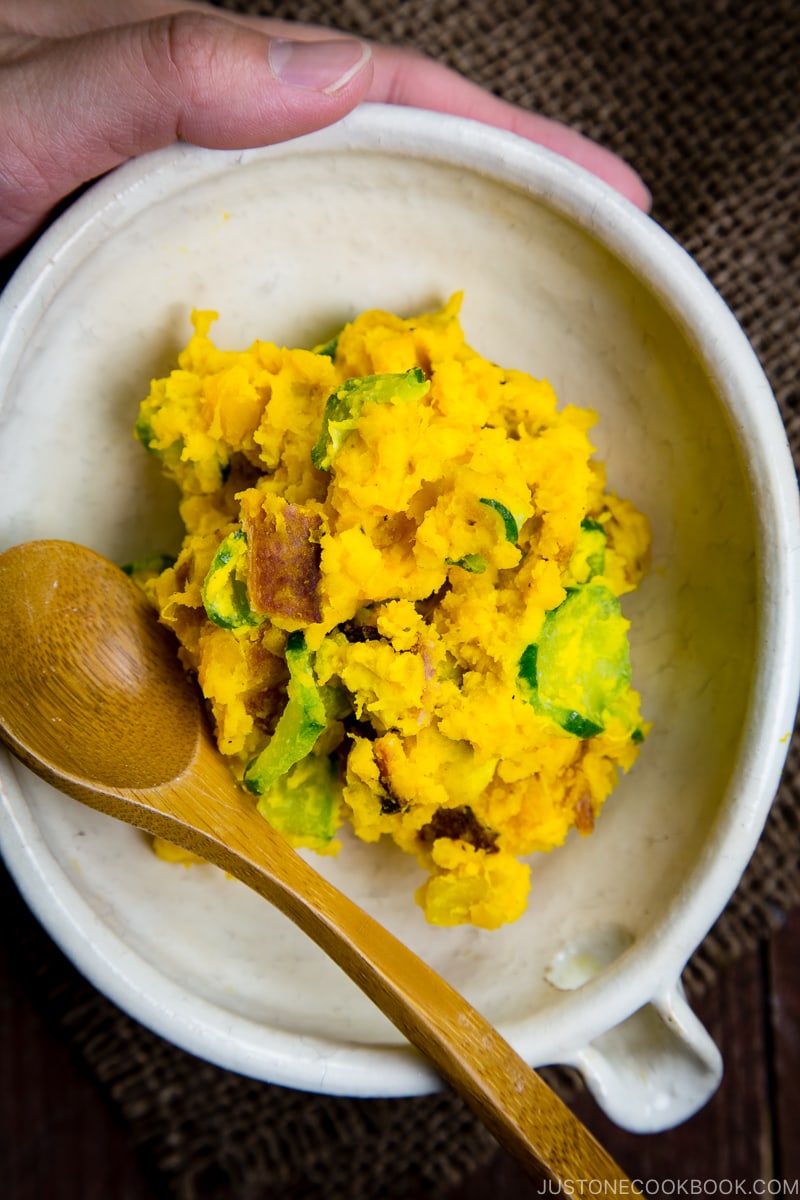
283	575
460	824
584	814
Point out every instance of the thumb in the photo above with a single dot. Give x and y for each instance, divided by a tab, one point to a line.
76	107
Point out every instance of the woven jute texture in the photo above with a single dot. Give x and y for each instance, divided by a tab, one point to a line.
702	99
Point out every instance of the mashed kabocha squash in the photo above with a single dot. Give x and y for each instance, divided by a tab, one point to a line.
399	591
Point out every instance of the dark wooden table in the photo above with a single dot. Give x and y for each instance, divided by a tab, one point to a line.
61	1138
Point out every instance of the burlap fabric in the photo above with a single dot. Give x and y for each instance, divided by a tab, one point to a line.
701	96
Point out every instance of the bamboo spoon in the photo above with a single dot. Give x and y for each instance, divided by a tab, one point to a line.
94	700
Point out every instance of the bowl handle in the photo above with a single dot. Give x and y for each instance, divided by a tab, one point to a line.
656	1068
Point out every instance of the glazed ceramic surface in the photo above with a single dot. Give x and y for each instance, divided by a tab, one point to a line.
398	209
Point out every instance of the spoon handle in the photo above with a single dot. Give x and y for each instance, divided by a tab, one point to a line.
522	1112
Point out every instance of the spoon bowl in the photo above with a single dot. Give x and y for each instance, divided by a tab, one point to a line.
94	700
116	668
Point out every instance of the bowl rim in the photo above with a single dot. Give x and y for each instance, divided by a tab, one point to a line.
677	282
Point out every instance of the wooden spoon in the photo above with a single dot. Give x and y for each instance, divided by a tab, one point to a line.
95	701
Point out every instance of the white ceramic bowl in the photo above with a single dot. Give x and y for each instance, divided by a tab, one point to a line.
398	208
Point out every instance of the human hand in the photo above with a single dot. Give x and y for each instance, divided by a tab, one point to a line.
87	84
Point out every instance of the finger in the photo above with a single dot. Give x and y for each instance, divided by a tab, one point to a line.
403	77
74	108
406	78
